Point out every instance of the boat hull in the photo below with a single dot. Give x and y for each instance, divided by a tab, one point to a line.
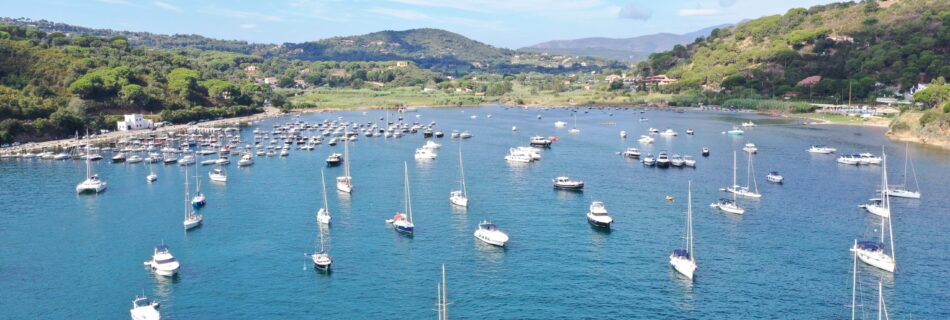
599	223
683	266
876	259
901	193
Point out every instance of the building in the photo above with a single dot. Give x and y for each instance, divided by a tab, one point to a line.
134	122
402	64
659	79
272	81
612	78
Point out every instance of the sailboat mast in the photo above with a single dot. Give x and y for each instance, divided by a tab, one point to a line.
88	163
346	156
854	278
733	175
880	301
439	300
408	197
462	171
187	195
323	181
751	176
689	221
445	297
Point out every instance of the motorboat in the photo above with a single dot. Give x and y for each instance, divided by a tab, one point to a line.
632	153
465	135
62	156
454	135
518	157
134	159
682	260
246	160
402	221
645	139
488	233
334	159
217	175
849	159
222	161
867	158
774	177
750	148
162	262
560	124
540	141
689	161
677	160
669	133
705	151
566	183
118	157
821	149
623	134
186	160
284	152
597	215
144	309
748	124
735	131
439	134
431	145
689	131
649	160
92	183
89	156
533	152
653	130
425	154
663	160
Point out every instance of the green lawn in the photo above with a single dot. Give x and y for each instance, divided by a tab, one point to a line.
834	118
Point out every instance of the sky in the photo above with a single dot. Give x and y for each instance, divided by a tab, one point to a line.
502	23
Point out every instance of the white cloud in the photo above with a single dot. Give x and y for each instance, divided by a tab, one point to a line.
692	12
633	11
727	3
401	14
248	26
167	6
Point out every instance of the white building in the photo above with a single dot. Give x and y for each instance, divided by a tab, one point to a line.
134	122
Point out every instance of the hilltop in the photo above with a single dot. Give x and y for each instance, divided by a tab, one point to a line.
622	49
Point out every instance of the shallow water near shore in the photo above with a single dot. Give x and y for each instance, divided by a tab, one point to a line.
80	257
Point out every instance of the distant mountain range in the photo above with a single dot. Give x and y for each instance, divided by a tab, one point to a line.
624	49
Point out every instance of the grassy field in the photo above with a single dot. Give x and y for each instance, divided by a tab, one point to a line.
833	118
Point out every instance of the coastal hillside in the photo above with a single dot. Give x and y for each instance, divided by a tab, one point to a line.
632	49
53	86
865	50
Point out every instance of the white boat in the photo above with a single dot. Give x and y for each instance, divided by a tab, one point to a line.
748	124
465	135
152	176
284	152
735	131
540	141
488	233
533	152
881	206
134	159
849	159
402	221
144	309
645	139
517	157
902	190
321	259
631	153
246	160
623	134
162	262
751	189
560	124
222	161
684	260
460	197
868	158
677	160
425	154
345	182
689	131
653	130
574	130
566	183
750	148
689	161
649	160
186	160
874	253
821	149
92	183
431	145
198	200
208	162
727	205
442	304
323	215
217	175
774	177
663	159
669	133
192	218
61	156
597	215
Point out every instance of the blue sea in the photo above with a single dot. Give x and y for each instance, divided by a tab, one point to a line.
64	255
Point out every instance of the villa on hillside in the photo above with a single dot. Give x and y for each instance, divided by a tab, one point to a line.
134	122
659	80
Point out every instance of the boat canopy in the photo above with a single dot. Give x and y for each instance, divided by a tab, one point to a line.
681	253
161	247
488	226
870	245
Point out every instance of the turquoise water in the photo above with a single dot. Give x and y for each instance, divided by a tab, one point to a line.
80	257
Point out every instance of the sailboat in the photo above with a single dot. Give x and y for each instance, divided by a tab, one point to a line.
746	191
199	200
574	130
730	205
683	260
323	215
901	191
881	206
402	221
442	302
192	219
152	176
881	306
92	183
321	259
345	182
873	253
460	197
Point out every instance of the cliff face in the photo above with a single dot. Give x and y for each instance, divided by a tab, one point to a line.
930	128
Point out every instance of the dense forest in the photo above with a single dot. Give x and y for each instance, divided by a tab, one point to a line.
868	49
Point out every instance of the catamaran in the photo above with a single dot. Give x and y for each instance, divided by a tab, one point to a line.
873	253
683	260
402	221
728	205
901	191
881	206
192	219
323	215
92	183
460	197
345	182
746	191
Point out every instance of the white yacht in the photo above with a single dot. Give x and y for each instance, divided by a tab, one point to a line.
683	260
632	153
217	175
751	189
750	148
821	149
162	262
748	124
566	183
425	154
540	141
727	205
402	221
597	215
465	135
902	190
873	252
645	139
868	158
431	145
246	160
144	309
119	157
92	183
560	124
649	160
881	206
345	182
323	215
222	161
284	152
774	177
186	160
321	259
623	134
488	233
653	130
849	159
689	161
460	197
677	160
669	133
134	159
